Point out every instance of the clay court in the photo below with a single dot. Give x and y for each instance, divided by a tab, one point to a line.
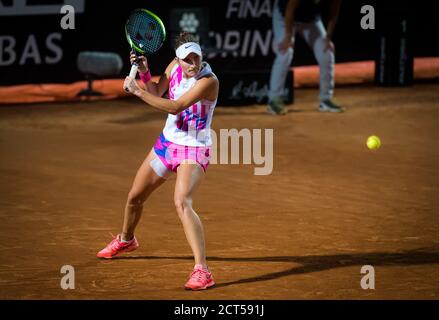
329	207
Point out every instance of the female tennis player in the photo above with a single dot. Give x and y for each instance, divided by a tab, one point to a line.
183	147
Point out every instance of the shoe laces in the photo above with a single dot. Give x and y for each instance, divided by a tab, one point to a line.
115	243
199	274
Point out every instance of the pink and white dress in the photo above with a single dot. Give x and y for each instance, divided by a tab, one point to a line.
186	136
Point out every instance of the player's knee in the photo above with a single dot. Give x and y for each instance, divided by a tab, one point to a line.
182	203
135	198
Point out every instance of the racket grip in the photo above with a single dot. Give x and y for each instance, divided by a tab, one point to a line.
133	71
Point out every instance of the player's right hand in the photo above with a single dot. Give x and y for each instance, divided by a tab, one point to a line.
140	61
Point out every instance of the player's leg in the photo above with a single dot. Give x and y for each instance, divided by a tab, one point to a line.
314	34
281	64
145	182
189	178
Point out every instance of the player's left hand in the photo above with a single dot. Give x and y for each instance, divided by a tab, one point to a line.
329	45
130	85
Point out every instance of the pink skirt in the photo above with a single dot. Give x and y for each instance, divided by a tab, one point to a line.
172	155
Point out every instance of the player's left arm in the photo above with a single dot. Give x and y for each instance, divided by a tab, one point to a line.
332	18
205	88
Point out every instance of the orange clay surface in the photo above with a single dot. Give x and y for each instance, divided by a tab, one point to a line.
329	207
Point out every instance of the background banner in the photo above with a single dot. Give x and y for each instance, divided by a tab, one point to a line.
236	34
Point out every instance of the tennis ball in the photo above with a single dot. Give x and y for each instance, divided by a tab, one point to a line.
373	142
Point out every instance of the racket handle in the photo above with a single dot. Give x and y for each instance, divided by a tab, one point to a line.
133	71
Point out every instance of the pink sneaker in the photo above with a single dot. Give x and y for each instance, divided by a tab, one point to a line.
116	246
199	279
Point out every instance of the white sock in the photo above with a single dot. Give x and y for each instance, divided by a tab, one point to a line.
201	266
125	241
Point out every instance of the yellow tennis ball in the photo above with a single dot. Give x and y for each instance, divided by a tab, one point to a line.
373	142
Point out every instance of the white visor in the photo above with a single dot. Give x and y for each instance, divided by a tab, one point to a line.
186	48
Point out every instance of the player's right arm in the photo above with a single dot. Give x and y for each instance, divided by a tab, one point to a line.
155	88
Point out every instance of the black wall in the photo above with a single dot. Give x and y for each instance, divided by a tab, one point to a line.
100	27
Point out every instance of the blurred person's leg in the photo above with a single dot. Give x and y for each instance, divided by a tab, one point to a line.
282	61
314	34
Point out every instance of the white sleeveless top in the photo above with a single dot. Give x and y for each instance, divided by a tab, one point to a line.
191	127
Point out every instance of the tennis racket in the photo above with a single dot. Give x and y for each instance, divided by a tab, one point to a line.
145	33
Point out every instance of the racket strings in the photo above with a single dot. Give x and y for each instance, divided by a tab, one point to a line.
145	32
